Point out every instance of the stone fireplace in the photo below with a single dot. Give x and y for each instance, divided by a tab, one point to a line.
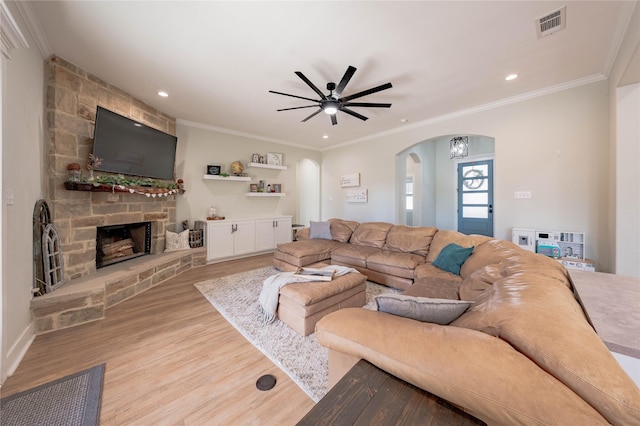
72	98
87	220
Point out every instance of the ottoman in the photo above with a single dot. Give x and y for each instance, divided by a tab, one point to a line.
301	305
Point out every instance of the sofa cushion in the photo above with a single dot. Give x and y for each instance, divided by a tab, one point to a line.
303	234
352	255
408	239
341	229
308	248
438	311
434	289
372	234
394	263
444	238
482	279
541	319
452	257
320	230
488	253
427	272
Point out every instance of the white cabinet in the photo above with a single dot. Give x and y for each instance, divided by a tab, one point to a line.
271	232
227	238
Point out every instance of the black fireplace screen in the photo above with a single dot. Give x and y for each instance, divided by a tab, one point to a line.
117	243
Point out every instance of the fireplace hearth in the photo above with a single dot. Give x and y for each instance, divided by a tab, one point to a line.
119	243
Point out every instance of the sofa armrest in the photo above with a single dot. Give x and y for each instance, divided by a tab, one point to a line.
480	373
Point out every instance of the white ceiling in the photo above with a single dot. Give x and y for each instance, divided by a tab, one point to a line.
218	60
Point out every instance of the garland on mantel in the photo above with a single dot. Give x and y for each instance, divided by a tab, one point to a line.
142	190
119	183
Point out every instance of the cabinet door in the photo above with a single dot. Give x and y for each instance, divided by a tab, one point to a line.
244	237
265	234
219	240
283	230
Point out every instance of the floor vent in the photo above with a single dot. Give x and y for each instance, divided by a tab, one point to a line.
552	22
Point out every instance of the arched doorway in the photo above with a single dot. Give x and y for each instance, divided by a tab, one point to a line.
438	181
308	191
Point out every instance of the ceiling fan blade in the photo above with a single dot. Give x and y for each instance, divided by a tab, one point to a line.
366	104
294	96
312	115
367	92
307	106
355	114
310	84
345	79
334	119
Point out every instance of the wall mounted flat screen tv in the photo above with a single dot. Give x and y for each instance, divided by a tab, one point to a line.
128	147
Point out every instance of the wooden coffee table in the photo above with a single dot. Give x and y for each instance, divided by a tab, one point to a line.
367	395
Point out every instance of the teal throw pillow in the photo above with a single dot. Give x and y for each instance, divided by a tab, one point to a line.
452	257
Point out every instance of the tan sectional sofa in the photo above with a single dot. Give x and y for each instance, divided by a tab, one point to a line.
523	353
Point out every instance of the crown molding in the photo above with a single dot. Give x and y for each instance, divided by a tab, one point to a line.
241	134
473	110
10	35
35	28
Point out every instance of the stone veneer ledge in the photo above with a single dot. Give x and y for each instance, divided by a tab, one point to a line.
87	298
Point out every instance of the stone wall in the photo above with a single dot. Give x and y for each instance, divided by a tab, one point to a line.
71	101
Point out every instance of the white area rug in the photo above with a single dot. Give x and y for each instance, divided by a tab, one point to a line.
301	358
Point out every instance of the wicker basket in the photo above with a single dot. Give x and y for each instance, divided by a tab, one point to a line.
196	238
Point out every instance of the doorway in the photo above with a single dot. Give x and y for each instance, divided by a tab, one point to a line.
475	197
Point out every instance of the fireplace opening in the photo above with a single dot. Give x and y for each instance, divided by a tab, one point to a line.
118	243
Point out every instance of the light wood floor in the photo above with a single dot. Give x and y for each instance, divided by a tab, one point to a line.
171	358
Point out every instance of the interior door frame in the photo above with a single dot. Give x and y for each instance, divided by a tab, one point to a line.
471	158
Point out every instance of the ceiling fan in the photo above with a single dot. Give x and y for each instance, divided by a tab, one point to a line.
332	103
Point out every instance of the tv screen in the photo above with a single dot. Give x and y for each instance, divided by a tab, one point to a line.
128	147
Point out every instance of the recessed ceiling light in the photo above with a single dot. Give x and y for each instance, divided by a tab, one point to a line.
163	94
511	77
403	120
325	136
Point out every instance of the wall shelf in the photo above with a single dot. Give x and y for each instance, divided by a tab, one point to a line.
228	178
267	166
265	194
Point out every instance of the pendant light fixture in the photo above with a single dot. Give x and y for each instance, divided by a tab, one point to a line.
459	147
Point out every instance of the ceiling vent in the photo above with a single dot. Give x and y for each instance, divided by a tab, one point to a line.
552	22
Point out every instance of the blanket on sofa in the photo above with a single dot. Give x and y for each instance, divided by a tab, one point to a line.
268	300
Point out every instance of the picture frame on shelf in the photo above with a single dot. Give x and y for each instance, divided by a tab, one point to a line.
213	169
274	158
255	158
253	187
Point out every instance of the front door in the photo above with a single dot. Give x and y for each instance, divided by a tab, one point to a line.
475	197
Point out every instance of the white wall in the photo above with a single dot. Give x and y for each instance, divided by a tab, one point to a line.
625	71
22	164
199	147
554	146
628	181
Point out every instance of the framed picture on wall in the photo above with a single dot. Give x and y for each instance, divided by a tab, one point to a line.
274	158
213	170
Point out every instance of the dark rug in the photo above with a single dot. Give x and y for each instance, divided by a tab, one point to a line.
71	400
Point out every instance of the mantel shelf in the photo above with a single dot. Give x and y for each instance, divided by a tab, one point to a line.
267	166
228	178
265	194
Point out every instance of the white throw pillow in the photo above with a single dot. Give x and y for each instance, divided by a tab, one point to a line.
438	311
175	242
320	230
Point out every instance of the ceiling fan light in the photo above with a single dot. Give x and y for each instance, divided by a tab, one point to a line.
330	109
